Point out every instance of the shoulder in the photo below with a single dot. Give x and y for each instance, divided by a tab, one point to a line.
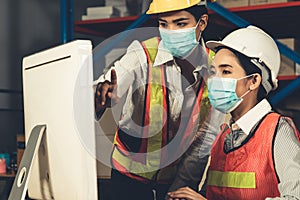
286	130
138	45
135	46
135	55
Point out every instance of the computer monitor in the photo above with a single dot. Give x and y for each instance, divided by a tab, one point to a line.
58	93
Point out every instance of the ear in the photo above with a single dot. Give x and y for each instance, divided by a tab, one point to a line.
255	81
203	22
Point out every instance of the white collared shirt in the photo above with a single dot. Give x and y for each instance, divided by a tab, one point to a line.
286	148
132	74
253	116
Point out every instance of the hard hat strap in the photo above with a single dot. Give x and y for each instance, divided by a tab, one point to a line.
264	73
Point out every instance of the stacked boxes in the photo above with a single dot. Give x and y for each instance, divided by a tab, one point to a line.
102	12
287	66
233	3
121	5
260	2
241	3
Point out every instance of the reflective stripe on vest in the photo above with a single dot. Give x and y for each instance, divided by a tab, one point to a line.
248	171
231	179
145	165
154	120
155	126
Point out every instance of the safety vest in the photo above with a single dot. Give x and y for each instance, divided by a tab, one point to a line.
145	164
247	172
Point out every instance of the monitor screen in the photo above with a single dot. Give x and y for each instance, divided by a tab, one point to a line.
58	92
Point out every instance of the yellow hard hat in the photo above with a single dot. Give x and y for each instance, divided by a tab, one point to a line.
161	6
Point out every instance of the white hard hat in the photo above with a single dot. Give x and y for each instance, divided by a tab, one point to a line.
254	43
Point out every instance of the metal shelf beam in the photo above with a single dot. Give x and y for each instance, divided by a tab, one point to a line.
235	19
67	20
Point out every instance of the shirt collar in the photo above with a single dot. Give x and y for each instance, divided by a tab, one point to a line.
253	116
163	56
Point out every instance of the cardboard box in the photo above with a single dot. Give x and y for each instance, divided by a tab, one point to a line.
115	3
288	66
261	2
103	166
233	3
20	148
105	131
297	69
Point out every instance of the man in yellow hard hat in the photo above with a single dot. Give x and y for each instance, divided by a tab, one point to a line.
163	83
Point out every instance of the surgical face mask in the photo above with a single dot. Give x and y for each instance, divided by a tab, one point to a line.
222	95
180	43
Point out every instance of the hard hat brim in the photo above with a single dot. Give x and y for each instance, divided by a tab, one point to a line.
212	45
169	6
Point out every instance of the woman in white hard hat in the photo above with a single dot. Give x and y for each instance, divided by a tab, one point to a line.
162	82
255	156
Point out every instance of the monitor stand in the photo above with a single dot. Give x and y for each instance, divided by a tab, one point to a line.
20	184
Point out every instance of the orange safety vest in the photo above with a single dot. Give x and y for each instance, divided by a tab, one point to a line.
145	164
247	172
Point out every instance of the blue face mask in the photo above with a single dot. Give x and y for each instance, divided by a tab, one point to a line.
222	95
180	43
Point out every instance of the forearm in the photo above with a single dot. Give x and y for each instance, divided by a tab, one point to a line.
193	164
190	171
208	132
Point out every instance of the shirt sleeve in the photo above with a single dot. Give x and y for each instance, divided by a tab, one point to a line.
126	68
208	131
287	160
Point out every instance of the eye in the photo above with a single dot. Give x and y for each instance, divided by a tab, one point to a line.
163	25
226	71
181	24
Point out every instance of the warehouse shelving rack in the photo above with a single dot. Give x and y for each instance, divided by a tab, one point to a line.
281	20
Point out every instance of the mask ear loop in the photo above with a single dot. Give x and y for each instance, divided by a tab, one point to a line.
245	77
245	93
249	90
200	33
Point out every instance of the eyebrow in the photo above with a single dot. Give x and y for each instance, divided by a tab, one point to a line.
225	65
220	66
212	66
174	21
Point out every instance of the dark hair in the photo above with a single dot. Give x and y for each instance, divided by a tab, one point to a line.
197	11
250	68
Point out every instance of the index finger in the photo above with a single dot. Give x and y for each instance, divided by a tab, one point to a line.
113	77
